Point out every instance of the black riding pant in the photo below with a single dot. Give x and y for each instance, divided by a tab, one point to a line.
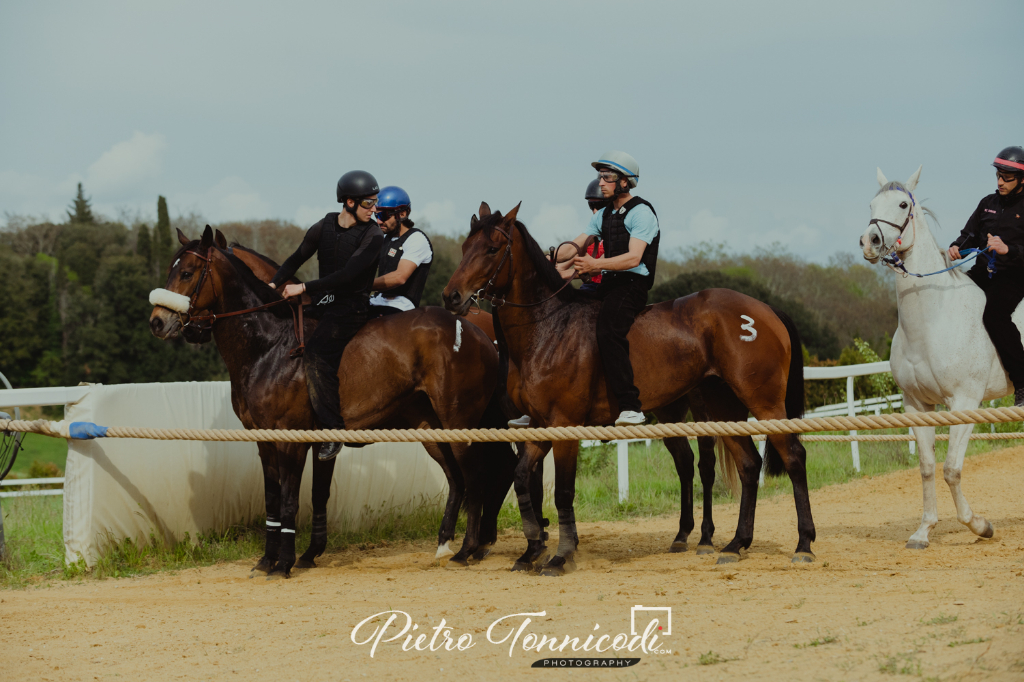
623	296
323	355
1002	295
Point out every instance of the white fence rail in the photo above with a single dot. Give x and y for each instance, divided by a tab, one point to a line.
21	482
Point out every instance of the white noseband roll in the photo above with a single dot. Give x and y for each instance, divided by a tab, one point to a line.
169	299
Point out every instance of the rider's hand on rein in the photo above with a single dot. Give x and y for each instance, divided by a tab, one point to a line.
998	245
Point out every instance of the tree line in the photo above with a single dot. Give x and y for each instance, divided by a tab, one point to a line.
75	297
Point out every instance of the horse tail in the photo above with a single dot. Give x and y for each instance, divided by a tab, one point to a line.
794	392
728	468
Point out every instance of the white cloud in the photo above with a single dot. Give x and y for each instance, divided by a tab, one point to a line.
558	221
127	164
233	199
706	226
443	217
306	216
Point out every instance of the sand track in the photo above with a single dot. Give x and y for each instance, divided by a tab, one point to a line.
868	608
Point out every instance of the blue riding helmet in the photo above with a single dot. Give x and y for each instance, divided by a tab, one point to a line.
393	197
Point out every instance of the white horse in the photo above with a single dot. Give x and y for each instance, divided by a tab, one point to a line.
941	353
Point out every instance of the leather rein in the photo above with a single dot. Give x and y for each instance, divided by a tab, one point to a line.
497	301
192	319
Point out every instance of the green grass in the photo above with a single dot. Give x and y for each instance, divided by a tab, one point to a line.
42	449
33	526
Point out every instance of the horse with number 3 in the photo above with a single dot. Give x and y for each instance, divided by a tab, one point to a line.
744	356
941	353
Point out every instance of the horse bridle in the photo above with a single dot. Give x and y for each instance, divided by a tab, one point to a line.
191	319
507	256
891	258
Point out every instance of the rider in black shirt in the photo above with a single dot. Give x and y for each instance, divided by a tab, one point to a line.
998	224
347	245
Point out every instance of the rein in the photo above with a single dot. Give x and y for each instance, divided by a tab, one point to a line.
192	319
496	300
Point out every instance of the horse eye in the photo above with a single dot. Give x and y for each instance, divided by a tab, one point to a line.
903	204
492	250
186	276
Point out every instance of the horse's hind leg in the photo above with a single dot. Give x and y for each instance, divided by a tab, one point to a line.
272	499
442	453
794	458
323	473
959	439
706	445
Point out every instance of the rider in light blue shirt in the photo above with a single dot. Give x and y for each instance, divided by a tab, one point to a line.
640	223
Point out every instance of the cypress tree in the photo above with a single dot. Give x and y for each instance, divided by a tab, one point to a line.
82	211
161	236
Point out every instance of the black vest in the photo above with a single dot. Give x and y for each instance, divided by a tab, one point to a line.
390	255
616	236
336	246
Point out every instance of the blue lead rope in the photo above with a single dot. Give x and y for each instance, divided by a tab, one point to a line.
895	261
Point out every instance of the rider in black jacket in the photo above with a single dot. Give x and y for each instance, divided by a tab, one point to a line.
998	224
347	245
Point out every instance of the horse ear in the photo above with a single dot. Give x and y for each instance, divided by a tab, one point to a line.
207	238
510	219
220	240
182	238
472	223
881	178
912	182
485	210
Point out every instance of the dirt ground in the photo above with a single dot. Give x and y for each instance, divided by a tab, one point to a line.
867	609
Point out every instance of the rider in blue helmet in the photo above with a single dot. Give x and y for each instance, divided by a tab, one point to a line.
405	256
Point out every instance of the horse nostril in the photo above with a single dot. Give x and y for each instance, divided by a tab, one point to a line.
455	298
862	242
875	241
156	324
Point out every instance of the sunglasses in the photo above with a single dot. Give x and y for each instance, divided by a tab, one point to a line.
385	215
1006	176
608	176
368	203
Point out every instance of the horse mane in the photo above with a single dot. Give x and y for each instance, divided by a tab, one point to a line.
266	259
538	258
257	286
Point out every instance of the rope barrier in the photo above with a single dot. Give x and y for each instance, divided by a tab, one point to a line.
991	415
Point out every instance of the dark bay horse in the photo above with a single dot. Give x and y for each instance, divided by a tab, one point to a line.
744	356
421	369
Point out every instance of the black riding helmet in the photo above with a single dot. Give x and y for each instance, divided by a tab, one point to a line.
1011	160
356	185
594	197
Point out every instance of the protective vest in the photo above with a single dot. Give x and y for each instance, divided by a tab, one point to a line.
390	255
616	236
335	248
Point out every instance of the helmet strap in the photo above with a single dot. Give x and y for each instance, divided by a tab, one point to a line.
351	209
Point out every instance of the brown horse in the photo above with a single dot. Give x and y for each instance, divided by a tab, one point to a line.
403	371
744	356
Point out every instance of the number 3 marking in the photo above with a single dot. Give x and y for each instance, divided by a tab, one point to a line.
748	327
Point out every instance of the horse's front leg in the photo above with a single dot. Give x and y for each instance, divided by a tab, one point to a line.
272	500
531	456
682	456
959	439
925	437
290	467
323	473
565	494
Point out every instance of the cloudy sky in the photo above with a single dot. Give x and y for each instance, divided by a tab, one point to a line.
754	123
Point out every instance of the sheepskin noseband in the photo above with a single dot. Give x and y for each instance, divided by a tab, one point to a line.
169	299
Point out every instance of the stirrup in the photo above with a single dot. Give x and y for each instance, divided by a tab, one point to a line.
329	451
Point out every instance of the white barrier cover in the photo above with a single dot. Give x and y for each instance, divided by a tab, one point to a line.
124	488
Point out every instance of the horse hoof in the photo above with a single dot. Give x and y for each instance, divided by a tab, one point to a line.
481	553
444	551
305	563
803	558
705	549
459	561
727	558
558	566
279	575
917	544
678	547
522	566
263	566
989	530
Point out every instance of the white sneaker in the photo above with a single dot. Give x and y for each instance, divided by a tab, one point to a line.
630	418
521	423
